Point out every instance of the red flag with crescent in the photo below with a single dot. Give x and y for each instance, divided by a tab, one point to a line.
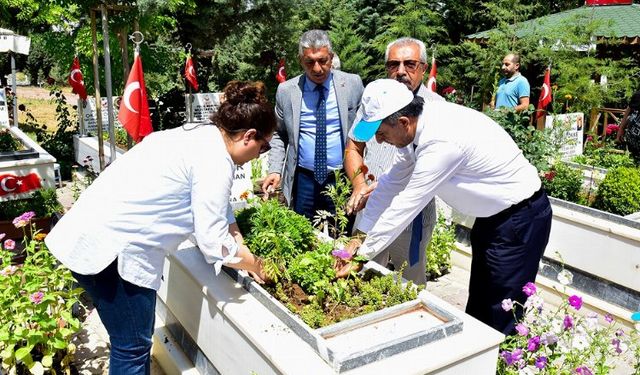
12	184
431	83
76	79
134	108
190	73
545	94
281	76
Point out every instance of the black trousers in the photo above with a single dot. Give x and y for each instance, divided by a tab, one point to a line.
506	252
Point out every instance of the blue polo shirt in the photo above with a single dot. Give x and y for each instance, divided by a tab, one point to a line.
307	141
510	90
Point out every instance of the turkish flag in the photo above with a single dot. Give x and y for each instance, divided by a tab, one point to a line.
134	108
431	83
281	76
190	73
545	95
75	79
12	184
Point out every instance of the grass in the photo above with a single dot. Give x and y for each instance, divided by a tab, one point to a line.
43	110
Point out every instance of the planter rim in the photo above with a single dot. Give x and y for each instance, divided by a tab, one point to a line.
595	213
586	167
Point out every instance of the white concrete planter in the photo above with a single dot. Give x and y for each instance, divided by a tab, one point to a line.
88	147
224	329
591	176
34	160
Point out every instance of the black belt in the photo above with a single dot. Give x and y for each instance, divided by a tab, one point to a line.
521	204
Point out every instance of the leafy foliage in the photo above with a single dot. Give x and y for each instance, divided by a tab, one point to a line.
619	192
563	182
36	321
44	202
603	154
443	241
313	270
8	142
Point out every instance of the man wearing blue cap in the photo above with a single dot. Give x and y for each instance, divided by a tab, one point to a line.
406	62
470	162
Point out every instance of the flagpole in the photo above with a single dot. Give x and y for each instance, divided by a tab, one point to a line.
96	86
107	78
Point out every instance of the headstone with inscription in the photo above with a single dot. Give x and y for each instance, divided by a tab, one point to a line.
573	137
89	114
4	113
203	105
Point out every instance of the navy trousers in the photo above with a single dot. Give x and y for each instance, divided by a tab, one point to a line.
506	252
309	197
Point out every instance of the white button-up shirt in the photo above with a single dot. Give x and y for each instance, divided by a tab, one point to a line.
462	156
174	183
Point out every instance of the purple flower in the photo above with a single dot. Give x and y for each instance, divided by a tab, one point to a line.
507	304
568	322
511	357
529	289
533	344
575	302
23	219
341	253
616	345
9	244
608	318
619	332
583	370
522	329
36	297
541	362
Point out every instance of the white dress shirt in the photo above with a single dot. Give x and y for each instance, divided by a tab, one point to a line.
172	184
461	155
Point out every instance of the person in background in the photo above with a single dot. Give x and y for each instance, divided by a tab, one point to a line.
470	162
314	112
513	89
116	236
406	62
629	131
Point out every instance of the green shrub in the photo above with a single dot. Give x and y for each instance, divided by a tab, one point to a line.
619	192
563	182
443	241
36	320
313	270
44	202
8	142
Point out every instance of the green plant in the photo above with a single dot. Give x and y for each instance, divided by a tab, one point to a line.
540	147
313	270
443	241
276	233
619	192
8	142
563	182
121	138
44	202
36	300
602	153
339	195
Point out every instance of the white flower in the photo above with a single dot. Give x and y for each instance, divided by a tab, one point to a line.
580	342
529	370
557	326
591	321
534	301
565	277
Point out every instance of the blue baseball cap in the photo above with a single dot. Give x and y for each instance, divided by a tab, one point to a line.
380	99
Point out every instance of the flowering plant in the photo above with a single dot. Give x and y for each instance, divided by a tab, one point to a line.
36	300
562	341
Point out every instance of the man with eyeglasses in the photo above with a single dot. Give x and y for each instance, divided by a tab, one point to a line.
314	112
405	61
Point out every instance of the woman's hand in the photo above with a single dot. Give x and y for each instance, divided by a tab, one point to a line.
259	274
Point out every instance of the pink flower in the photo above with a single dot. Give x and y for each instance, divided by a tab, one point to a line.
8	270
511	357
36	297
533	344
341	253
568	322
583	370
575	302
529	289
608	318
9	244
507	304
616	345
2	235
522	329
612	129
23	219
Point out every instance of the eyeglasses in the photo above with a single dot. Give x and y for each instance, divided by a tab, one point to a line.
409	65
310	63
266	146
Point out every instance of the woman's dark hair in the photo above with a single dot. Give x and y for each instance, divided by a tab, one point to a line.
245	107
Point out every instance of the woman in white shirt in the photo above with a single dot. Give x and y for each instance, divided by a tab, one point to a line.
174	183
